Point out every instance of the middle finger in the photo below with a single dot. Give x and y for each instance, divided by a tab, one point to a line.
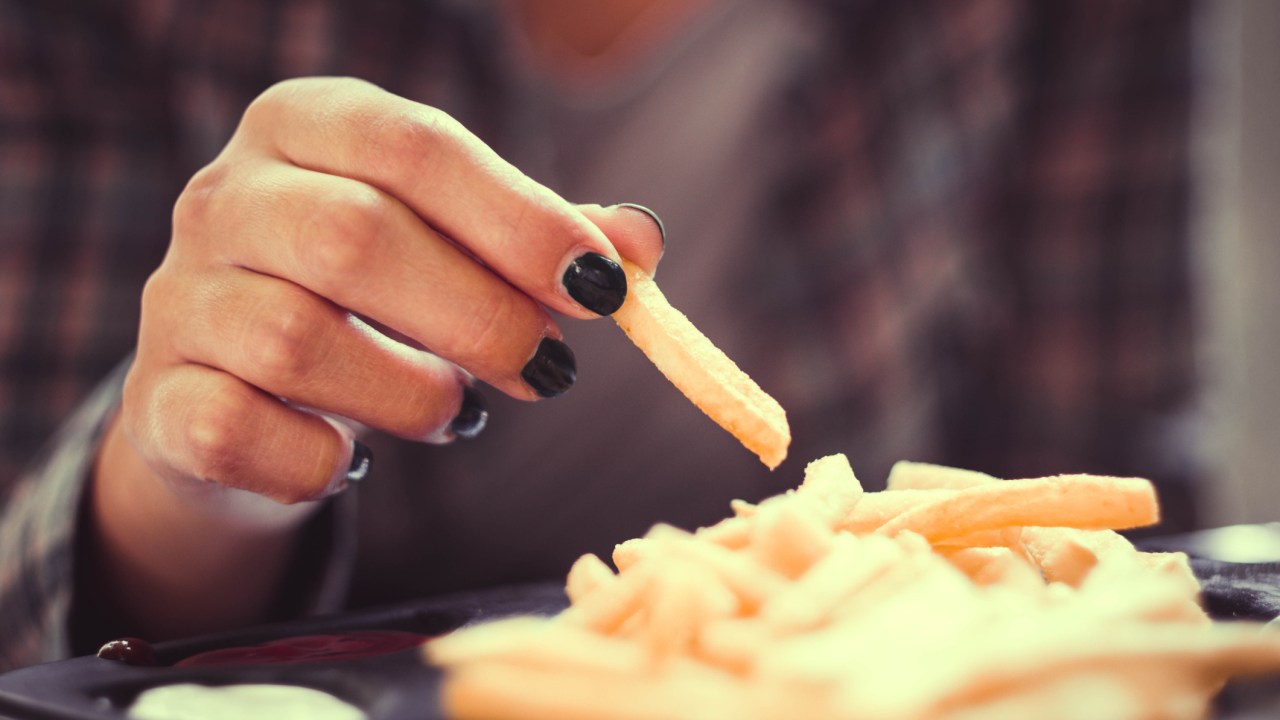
286	341
365	251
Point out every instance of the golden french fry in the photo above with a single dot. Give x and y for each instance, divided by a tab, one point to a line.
682	601
630	552
734	644
830	482
1025	656
751	582
607	609
786	539
495	691
873	510
733	533
1088	502
1175	565
1005	537
1125	586
1067	555
587	574
852	564
907	475
994	566
700	370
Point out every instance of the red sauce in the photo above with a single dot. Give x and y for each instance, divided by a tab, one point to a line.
311	648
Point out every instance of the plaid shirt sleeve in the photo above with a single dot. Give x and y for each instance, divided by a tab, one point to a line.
991	223
39	535
38	532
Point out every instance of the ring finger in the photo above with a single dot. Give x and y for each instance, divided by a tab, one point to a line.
290	343
364	251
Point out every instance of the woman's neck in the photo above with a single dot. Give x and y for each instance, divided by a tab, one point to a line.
586	28
588	41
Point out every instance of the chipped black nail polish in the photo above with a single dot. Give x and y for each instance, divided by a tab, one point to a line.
552	370
472	416
361	460
596	282
662	229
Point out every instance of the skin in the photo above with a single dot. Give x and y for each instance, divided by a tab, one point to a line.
585	27
325	216
589	28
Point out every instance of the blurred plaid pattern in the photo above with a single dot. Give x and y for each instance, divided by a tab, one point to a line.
996	205
986	225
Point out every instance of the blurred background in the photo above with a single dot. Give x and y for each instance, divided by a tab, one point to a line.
1239	154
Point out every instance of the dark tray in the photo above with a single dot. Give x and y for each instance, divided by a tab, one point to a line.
399	686
395	686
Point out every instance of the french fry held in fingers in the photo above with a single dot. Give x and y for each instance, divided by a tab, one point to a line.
955	596
700	370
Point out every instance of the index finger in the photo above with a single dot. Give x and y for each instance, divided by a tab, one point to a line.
531	237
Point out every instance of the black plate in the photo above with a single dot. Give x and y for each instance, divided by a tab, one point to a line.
395	686
398	686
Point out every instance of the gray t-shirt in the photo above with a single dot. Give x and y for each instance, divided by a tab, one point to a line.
623	449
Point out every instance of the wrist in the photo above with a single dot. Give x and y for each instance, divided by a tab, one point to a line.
177	558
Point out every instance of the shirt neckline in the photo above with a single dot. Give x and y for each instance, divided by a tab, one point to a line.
642	55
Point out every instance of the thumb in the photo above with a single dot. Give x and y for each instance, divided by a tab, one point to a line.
635	231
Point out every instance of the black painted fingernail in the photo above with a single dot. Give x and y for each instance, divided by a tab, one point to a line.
552	370
472	416
361	460
596	282
662	229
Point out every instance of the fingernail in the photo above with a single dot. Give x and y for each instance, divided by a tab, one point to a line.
552	370
662	229
473	415
596	282
361	460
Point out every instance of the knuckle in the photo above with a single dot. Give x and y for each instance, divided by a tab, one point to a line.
215	434
196	206
155	292
281	342
344	233
408	144
269	102
319	96
424	129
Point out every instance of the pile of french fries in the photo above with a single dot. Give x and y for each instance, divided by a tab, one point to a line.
951	595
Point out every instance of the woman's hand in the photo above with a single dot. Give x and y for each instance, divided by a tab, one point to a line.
337	215
349	255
